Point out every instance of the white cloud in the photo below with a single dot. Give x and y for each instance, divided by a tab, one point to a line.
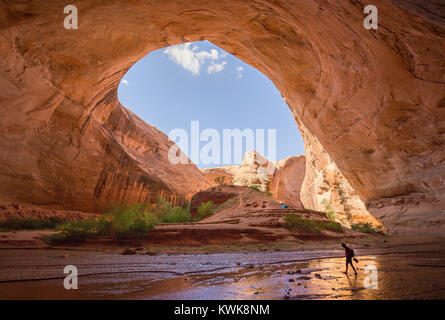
216	67
212	54
184	56
125	82
191	59
239	71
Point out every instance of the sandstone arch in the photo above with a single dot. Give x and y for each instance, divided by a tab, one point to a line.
356	95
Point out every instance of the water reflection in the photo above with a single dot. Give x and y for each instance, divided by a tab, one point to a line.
399	276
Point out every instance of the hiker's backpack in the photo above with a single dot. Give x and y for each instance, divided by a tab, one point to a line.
351	251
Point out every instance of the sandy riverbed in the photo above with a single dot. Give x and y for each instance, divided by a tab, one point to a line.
407	268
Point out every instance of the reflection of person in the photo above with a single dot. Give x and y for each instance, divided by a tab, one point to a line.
349	253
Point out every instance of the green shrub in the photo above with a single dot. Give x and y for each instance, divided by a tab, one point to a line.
205	209
220	180
168	214
255	187
121	221
132	221
344	202
302	225
91	226
175	215
367	228
87	226
80	231
330	213
311	226
30	223
124	221
66	238
332	226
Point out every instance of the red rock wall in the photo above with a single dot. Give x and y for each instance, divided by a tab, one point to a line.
288	179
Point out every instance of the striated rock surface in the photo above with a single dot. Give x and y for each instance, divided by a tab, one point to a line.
116	157
373	99
287	180
325	188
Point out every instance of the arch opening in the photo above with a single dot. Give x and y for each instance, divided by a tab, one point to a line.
202	86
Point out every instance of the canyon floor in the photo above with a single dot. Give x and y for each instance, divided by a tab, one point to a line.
407	268
241	252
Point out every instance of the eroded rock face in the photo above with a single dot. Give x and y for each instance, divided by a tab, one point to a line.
373	99
219	175
214	195
282	179
326	189
287	180
254	171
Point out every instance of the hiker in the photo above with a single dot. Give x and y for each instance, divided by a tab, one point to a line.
284	206
349	255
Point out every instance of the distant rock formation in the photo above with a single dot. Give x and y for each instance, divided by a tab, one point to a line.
282	179
299	184
287	180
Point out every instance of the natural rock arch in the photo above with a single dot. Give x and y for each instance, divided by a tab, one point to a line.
356	95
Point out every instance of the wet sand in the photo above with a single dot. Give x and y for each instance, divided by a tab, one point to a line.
414	271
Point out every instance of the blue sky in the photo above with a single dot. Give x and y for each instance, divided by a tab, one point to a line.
173	86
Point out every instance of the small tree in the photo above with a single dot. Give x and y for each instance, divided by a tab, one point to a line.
330	213
220	180
344	202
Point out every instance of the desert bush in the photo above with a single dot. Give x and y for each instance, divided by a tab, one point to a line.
344	202
205	209
88	226
311	226
79	231
169	214
332	226
132	221
330	213
255	187
220	180
121	221
15	223
367	227
66	238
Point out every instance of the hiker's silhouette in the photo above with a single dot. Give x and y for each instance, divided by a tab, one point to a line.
349	253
